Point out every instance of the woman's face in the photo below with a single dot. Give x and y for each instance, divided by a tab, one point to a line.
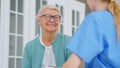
91	4
50	20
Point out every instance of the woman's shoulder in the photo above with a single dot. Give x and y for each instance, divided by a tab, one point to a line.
101	14
31	43
61	35
65	38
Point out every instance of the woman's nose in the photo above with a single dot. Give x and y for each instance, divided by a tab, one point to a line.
52	19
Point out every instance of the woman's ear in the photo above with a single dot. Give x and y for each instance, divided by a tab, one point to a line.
39	21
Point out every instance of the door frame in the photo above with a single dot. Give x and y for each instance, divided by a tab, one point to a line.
28	26
4	32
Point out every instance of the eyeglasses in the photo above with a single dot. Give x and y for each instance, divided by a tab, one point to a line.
49	17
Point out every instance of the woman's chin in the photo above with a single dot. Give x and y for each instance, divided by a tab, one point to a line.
52	30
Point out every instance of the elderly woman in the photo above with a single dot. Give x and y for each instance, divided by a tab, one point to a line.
48	49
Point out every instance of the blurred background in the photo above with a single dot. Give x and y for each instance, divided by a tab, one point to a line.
18	25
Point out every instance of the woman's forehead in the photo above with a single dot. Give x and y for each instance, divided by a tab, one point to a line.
51	11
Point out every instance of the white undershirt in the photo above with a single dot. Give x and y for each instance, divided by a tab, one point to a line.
48	58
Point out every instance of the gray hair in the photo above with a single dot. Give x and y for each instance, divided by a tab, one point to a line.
47	7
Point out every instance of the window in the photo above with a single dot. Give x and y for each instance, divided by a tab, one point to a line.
37	27
62	22
16	34
39	3
44	2
75	20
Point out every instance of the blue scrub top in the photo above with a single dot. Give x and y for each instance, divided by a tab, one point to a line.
96	41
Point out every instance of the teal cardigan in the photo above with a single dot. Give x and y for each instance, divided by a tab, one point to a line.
34	52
